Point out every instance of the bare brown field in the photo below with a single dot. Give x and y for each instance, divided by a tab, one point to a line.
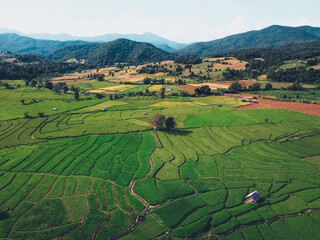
259	59
188	88
311	109
263	77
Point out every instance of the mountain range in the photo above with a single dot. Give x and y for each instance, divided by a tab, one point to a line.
125	50
154	39
270	37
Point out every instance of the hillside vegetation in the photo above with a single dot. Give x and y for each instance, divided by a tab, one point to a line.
118	51
270	37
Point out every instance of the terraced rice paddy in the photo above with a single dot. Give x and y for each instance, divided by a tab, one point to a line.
92	174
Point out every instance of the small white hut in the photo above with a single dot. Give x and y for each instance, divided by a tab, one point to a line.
253	197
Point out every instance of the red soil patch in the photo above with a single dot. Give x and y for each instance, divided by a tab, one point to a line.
65	78
237	96
263	77
167	62
232	63
188	88
311	109
129	77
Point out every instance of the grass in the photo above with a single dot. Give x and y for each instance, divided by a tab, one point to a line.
37	101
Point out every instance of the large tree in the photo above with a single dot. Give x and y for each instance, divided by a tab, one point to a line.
157	121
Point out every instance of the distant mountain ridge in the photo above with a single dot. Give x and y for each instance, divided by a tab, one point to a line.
19	44
154	39
270	37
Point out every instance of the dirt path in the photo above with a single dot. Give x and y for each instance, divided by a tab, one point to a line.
268	221
101	225
148	206
77	226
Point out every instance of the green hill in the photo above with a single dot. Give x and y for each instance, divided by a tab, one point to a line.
121	50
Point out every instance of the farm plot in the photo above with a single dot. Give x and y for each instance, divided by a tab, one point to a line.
213	185
36	101
117	88
83	183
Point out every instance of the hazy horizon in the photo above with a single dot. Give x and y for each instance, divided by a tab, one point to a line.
180	21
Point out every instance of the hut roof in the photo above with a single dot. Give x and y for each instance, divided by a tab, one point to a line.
254	195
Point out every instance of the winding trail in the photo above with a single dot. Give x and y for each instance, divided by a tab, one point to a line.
140	215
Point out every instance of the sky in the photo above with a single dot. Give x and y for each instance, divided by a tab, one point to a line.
178	20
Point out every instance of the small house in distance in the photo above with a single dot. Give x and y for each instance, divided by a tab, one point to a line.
253	197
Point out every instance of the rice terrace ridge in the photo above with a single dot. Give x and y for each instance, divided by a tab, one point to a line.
134	136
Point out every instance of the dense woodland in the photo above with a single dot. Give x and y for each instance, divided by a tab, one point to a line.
29	66
121	50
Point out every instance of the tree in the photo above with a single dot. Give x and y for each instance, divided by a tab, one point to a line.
170	123
76	95
26	115
256	87
162	92
295	87
40	114
268	87
65	89
206	90
100	78
99	95
7	86
235	87
48	85
111	97
158	120
147	80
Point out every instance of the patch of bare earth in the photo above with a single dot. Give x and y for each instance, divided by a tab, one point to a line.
311	109
188	88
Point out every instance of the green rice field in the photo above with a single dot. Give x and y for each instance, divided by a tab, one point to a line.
84	173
